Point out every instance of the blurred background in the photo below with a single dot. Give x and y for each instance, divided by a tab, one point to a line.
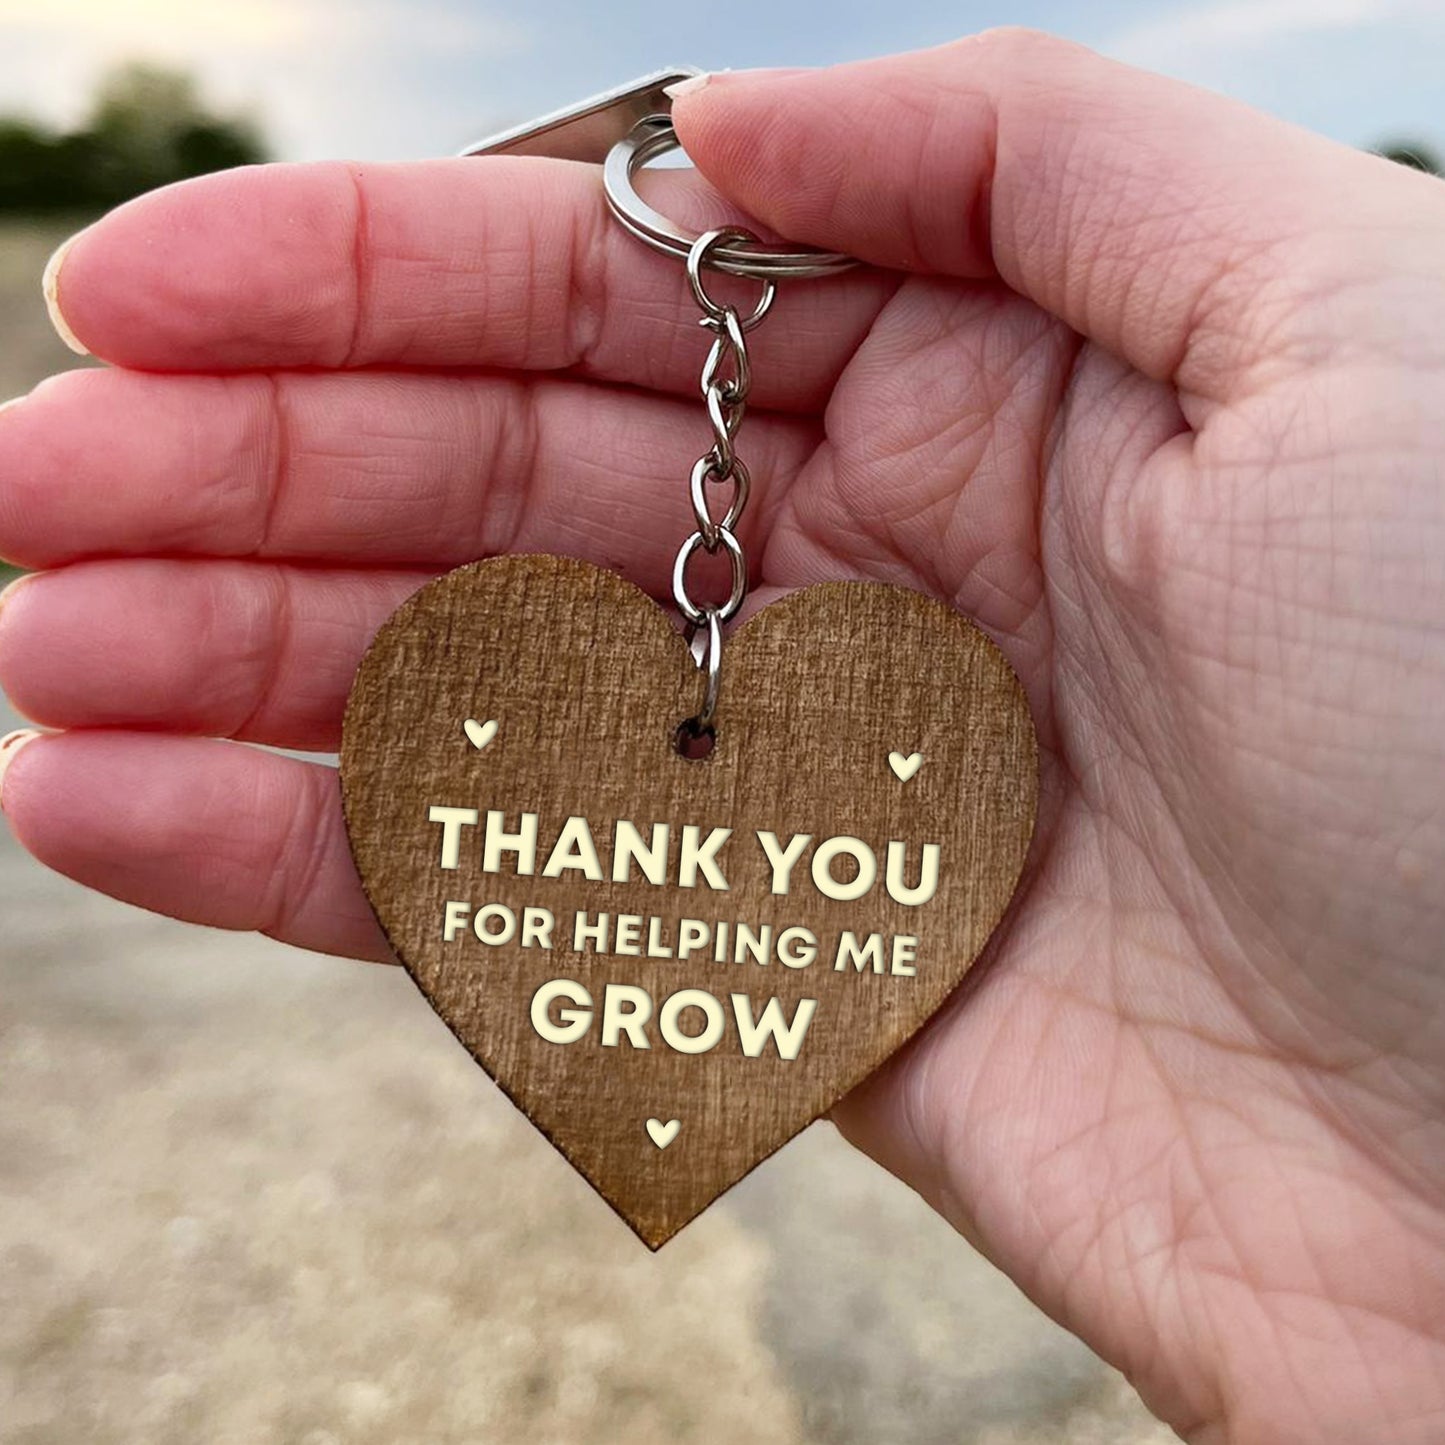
252	1195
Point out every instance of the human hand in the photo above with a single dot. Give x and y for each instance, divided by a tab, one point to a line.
1151	391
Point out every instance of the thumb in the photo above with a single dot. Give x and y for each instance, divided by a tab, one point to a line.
1152	217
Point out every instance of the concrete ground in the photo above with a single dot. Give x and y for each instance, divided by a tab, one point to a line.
251	1195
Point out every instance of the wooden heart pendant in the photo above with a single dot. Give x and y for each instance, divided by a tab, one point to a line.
673	964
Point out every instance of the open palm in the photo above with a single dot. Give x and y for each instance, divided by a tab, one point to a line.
1137	391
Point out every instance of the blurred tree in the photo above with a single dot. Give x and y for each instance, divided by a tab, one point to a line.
1411	153
147	127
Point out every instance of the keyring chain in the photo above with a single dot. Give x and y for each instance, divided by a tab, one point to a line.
624	130
726	381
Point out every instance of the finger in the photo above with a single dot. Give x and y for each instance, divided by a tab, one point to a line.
1181	230
205	831
499	262
371	467
243	650
252	651
259	653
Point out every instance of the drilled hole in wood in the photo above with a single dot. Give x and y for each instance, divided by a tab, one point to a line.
692	740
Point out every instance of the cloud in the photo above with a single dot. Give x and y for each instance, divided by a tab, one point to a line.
170	27
1234	25
420	26
96	24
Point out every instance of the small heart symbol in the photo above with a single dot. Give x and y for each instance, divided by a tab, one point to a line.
663	1134
905	767
480	734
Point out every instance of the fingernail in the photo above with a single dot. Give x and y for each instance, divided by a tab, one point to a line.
10	746
690	86
8	590
50	285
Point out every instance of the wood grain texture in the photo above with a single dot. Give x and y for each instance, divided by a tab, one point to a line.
587	680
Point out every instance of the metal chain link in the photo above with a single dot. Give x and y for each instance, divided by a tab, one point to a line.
726	381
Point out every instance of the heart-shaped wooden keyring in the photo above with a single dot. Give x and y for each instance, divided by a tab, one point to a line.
739	1012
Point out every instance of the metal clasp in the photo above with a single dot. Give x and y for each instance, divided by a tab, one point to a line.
588	130
622	130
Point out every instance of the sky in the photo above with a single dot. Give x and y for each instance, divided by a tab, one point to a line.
398	79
